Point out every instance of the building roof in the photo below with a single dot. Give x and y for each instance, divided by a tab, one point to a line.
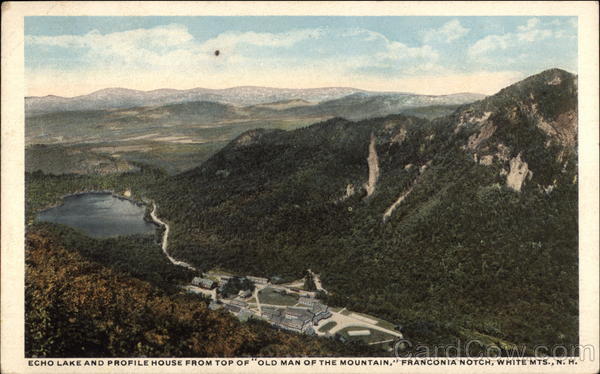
320	316
270	309
318	307
294	323
257	279
233	308
277	319
203	282
307	300
239	303
302	314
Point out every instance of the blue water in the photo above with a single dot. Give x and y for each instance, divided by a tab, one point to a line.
100	215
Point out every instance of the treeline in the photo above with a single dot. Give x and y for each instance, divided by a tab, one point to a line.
44	190
138	256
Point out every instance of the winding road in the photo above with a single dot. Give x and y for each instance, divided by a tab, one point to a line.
165	240
317	281
342	321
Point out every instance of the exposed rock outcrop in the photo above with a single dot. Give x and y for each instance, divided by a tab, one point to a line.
373	162
350	191
470	118
486	160
519	170
563	129
503	152
398	201
252	137
485	133
247	138
400	136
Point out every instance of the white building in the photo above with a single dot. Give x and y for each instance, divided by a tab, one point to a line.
258	280
209	284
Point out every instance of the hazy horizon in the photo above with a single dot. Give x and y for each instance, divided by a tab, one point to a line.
249	86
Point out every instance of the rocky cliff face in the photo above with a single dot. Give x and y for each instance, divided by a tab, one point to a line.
475	211
532	119
517	174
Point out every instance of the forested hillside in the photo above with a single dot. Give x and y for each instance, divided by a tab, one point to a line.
460	227
77	307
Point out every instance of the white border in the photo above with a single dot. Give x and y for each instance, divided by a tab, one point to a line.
12	192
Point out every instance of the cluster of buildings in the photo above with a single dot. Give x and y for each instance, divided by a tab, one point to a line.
297	319
205	283
300	318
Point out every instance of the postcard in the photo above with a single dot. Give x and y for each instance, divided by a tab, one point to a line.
299	187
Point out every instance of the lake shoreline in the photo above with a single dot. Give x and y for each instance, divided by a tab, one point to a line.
82	196
61	199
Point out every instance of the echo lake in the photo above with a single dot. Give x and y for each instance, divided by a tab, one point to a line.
100	215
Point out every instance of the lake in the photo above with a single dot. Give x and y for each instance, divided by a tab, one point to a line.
100	215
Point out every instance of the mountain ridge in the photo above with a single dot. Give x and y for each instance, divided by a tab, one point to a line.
239	96
457	234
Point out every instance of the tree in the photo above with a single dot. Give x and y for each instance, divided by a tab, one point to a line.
309	282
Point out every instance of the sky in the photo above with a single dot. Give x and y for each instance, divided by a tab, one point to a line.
69	56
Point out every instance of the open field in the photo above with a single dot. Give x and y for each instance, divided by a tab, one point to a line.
174	149
270	296
373	337
328	326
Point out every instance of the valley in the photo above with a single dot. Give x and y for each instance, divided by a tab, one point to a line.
305	313
454	220
181	135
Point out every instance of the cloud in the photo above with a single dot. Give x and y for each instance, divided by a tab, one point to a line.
490	43
161	36
286	39
163	46
159	46
448	33
531	32
392	52
336	51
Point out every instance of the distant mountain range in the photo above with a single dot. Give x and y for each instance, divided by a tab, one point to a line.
111	98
